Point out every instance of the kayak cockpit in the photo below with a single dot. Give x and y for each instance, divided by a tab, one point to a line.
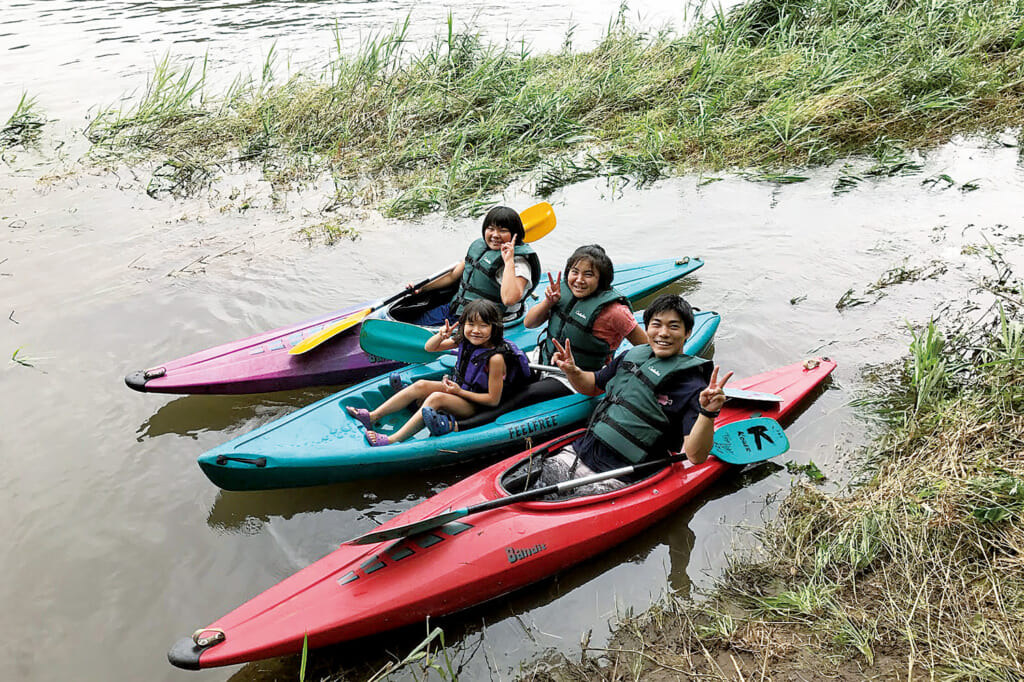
525	475
410	309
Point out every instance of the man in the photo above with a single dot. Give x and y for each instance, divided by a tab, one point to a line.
656	400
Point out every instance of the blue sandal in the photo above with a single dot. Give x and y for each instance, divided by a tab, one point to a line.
438	423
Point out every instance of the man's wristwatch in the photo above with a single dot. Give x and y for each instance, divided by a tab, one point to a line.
707	413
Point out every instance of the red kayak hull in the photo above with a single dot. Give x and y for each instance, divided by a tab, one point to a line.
357	591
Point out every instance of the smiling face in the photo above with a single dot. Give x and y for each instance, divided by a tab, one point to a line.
495	236
667	333
583	278
476	331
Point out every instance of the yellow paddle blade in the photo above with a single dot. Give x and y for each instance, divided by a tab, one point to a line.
538	220
347	322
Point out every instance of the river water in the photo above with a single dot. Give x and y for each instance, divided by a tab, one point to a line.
117	545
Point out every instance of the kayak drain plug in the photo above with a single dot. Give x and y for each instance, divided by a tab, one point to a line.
259	461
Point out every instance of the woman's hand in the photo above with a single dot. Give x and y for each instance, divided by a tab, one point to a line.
712	398
563	358
553	294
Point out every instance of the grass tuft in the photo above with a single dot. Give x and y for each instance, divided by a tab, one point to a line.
24	126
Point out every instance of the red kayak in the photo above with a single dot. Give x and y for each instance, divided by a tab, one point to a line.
359	590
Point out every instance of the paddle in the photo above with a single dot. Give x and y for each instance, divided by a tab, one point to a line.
730	393
349	321
538	220
404	342
755	396
742	442
393	340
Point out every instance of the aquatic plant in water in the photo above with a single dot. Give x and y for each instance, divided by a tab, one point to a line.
24	126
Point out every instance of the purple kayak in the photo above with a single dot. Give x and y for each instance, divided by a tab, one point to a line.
262	363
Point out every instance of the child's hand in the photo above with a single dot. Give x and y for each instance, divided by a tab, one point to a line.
450	386
563	357
554	291
445	332
508	252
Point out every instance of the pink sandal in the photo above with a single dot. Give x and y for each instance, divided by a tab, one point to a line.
376	439
360	415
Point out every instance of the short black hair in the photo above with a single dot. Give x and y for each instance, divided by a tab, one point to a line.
505	218
667	302
599	259
489	313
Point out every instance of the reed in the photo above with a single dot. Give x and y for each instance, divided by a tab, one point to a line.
24	126
773	85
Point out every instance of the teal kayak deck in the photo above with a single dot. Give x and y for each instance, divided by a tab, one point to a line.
322	444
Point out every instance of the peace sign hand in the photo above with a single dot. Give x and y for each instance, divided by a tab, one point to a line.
712	398
445	332
563	358
554	291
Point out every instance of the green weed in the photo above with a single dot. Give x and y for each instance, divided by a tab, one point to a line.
24	126
329	232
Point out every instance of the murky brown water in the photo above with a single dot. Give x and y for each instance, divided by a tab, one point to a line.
116	544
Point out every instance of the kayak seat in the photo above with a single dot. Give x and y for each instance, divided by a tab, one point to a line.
535	392
413	307
523	475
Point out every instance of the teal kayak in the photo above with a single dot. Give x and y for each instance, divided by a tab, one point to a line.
321	443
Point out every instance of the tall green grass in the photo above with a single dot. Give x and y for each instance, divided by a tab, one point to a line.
771	85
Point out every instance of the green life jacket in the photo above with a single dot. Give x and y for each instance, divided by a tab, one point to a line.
478	277
629	418
573	318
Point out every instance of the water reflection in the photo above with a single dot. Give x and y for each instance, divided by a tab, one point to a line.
192	415
377	499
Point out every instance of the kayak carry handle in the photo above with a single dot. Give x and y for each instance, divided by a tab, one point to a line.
258	461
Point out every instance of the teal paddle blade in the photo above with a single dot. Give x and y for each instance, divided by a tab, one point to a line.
396	341
750	440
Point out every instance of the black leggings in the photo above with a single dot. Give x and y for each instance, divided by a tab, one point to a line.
547	388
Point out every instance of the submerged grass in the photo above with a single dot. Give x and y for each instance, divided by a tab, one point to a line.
24	126
771	85
915	572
